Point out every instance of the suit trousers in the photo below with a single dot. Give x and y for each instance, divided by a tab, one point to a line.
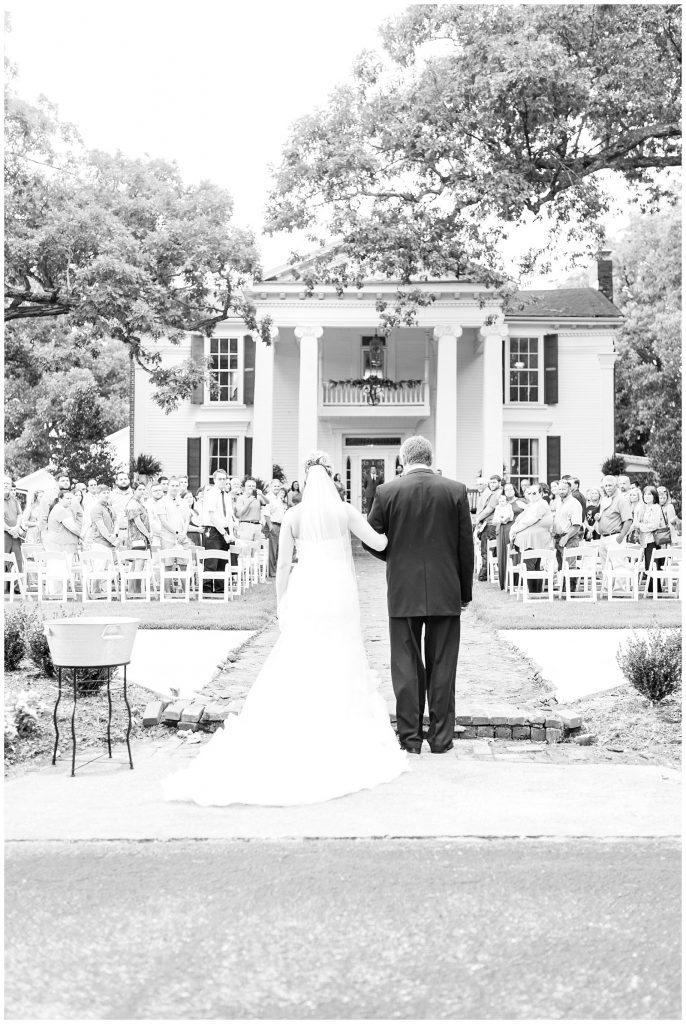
214	541
415	682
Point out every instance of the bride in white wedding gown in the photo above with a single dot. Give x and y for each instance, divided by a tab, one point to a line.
314	725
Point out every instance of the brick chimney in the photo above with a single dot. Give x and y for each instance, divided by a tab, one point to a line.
605	273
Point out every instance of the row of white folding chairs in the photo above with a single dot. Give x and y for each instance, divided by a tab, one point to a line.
101	573
624	565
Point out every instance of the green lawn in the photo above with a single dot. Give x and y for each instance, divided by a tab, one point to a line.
249	611
506	612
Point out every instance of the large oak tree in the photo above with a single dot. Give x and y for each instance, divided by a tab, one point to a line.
117	247
472	120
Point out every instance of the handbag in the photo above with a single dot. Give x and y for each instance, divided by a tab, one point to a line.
663	535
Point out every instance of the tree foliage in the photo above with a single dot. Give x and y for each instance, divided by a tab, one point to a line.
117	247
473	120
648	370
76	439
42	366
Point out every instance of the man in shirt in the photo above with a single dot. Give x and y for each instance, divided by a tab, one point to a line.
90	497
102	532
485	531
120	499
14	534
249	505
153	507
163	481
235	492
174	518
623	484
567	523
615	518
183	486
275	512
575	485
219	532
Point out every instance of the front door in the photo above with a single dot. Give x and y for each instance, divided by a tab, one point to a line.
358	469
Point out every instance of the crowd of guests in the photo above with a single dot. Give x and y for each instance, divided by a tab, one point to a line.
560	516
153	517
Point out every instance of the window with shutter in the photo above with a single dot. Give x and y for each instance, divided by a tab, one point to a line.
248	456
550	370
523	460
523	370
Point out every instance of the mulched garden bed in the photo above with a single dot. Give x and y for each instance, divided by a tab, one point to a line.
91	719
624	721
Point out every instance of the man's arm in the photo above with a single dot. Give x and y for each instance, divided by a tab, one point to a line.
465	549
627	519
377	521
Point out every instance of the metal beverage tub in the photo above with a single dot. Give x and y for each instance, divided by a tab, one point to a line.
91	642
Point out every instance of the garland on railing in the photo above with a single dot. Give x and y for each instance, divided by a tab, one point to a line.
373	386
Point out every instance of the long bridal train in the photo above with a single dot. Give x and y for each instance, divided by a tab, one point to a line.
314	725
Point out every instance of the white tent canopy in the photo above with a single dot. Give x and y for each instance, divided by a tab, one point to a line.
45	480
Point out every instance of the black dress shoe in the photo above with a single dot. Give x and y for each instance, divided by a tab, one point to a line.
411	750
443	751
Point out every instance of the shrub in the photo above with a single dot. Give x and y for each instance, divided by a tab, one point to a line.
653	665
15	645
614	466
147	465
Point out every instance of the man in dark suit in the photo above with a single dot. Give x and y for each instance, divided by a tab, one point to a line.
369	486
429	568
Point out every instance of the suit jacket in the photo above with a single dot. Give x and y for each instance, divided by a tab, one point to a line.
430	553
369	487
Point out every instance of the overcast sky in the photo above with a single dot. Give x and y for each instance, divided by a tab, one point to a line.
213	85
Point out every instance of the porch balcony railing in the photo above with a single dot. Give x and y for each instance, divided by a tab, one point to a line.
345	393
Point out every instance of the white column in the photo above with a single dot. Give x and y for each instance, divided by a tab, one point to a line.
492	400
606	434
308	400
263	408
446	399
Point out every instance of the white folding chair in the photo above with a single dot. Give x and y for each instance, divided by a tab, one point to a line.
242	550
229	575
177	574
578	565
98	574
32	568
264	559
56	579
513	579
546	573
492	561
664	572
620	568
12	576
134	566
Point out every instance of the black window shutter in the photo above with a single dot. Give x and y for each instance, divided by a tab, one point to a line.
193	467
554	459
550	369
198	356
249	370
248	456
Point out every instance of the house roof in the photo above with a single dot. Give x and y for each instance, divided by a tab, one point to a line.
554	303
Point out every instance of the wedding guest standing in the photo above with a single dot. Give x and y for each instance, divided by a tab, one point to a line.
485	531
120	498
275	511
249	505
592	514
647	521
32	517
293	490
533	530
220	533
14	532
517	505
567	524
101	533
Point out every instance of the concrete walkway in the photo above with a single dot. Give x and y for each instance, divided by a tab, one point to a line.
442	795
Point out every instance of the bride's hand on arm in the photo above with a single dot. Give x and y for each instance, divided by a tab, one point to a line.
285	561
361	528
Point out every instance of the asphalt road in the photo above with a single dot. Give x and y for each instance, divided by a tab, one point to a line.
344	929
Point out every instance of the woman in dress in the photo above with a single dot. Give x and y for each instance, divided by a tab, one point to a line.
647	519
31	519
504	522
314	725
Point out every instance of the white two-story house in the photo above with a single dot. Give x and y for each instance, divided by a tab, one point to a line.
529	393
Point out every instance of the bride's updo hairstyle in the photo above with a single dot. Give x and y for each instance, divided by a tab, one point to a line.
318	458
